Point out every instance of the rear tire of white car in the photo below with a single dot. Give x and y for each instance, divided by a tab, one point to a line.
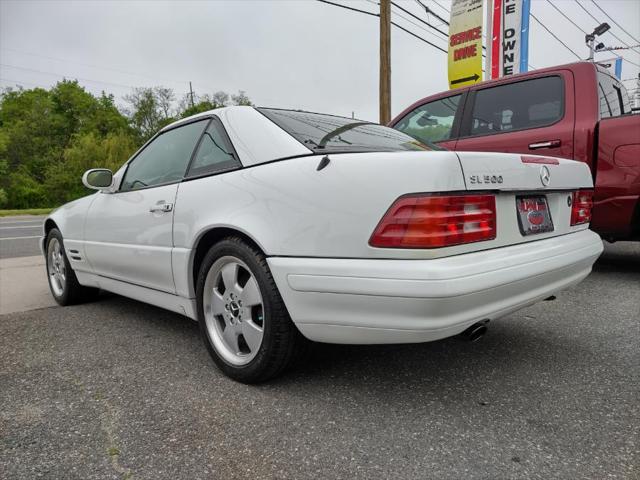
62	280
243	320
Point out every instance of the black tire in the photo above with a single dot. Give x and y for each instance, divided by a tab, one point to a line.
282	343
72	292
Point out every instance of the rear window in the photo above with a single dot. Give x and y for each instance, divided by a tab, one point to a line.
614	100
518	106
327	133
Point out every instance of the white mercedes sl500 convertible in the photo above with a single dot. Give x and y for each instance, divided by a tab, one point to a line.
274	227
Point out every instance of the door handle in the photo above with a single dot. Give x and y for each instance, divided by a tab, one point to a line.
547	144
161	206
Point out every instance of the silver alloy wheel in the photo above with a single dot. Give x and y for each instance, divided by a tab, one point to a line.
233	310
56	267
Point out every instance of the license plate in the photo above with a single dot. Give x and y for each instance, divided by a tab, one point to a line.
534	215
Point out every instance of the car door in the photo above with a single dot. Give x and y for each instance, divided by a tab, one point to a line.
524	116
129	233
435	121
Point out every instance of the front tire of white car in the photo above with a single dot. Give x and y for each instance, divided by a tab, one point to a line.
243	320
63	282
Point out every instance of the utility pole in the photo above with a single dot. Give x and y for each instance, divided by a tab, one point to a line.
191	93
385	61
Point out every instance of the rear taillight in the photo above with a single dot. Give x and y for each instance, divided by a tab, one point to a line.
432	221
581	206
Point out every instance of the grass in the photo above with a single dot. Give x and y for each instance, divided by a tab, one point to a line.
27	211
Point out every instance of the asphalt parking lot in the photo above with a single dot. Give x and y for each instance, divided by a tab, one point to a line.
119	389
19	236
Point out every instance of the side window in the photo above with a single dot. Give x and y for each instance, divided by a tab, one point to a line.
165	159
605	108
614	101
215	152
431	122
518	106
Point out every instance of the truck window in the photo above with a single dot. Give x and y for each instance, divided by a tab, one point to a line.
431	122
518	106
614	100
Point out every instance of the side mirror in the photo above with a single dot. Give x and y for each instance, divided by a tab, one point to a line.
97	179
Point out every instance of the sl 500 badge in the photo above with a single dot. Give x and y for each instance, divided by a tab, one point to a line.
484	179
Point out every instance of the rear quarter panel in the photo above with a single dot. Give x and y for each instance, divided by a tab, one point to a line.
290	208
617	190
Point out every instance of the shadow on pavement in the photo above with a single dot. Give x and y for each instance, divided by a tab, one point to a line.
623	257
508	354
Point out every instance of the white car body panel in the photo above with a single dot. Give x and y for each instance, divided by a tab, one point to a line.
564	174
400	301
284	208
125	241
314	227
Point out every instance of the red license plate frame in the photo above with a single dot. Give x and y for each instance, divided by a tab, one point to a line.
533	213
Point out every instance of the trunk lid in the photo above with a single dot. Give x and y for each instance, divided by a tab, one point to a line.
523	183
515	172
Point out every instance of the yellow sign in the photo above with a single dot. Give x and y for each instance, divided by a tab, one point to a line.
465	43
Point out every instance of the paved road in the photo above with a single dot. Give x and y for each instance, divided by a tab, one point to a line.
19	236
118	389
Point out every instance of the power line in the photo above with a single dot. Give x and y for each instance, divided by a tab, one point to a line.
565	16
94	66
392	23
629	61
182	83
554	36
409	20
441	6
420	19
418	37
349	8
66	76
599	22
429	11
20	82
616	23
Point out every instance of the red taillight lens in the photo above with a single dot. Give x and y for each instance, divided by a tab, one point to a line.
420	221
581	207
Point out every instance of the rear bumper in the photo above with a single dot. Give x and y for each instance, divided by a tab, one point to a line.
407	301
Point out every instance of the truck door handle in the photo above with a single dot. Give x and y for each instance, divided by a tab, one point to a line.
161	206
547	144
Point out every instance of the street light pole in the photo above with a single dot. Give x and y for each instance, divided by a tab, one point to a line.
590	38
385	61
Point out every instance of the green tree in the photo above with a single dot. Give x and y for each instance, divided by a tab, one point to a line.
37	126
149	110
87	151
241	99
203	103
48	138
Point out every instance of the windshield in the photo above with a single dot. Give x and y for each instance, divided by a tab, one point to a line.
327	133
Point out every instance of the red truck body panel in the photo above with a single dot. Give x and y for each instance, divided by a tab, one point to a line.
610	146
617	180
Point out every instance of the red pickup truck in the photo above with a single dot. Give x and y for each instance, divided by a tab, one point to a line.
576	111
